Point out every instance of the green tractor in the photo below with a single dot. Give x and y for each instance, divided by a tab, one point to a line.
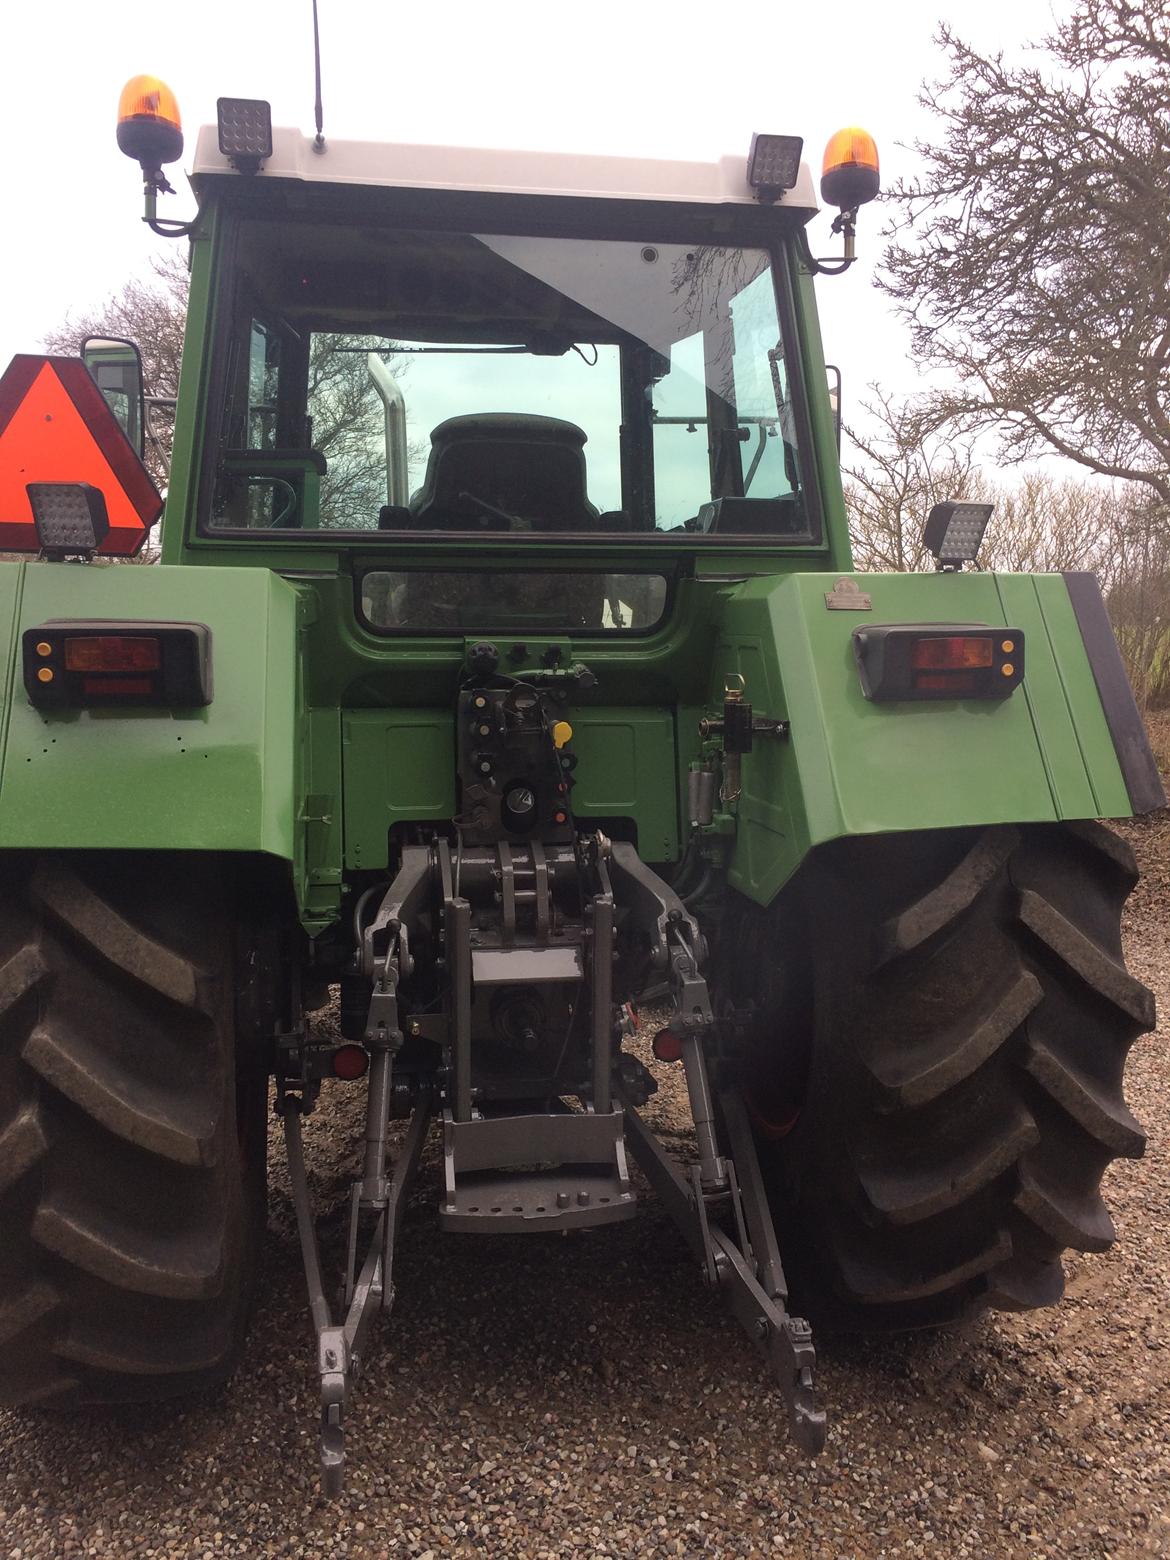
504	663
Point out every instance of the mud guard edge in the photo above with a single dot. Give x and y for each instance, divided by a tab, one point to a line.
1138	766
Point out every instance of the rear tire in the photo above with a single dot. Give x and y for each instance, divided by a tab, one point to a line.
961	1097
132	1170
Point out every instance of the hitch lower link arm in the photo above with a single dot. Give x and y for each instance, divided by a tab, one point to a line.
743	1263
341	1346
693	1019
743	1259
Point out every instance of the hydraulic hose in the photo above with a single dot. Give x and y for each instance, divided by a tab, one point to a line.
699	889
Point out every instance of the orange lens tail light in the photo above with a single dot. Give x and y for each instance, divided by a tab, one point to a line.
112	653
952	654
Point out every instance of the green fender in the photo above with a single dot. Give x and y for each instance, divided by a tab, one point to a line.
1067	743
223	778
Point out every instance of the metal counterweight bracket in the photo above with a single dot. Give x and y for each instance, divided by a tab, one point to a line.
743	1263
341	1347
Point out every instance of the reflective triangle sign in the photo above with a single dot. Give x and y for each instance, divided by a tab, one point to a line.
55	426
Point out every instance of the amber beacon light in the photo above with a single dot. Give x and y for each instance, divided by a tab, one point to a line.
850	173
149	127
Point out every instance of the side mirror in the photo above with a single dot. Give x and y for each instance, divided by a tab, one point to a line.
115	366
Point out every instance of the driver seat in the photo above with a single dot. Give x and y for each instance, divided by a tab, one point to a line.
504	471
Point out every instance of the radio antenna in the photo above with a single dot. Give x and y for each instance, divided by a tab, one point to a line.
319	143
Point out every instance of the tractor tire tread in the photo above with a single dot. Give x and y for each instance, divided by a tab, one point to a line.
1095	967
911	927
964	1091
22	1145
918	1074
130	1232
96	923
907	1193
172	1125
1100	1112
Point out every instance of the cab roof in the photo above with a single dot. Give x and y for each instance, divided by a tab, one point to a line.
500	172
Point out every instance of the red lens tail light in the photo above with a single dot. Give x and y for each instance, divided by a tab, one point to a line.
667	1046
350	1062
953	654
117	687
952	684
112	653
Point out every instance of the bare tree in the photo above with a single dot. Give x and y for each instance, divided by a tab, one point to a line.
1031	257
152	312
1139	598
1040	524
1047	525
904	468
348	426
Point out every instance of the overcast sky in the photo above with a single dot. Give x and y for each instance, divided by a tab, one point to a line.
684	79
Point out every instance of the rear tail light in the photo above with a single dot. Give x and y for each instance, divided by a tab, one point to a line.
112	653
667	1046
938	661
350	1062
951	654
72	665
97	688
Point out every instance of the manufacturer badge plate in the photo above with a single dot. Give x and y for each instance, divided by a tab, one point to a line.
847	596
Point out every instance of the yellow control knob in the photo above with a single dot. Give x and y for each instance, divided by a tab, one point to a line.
562	733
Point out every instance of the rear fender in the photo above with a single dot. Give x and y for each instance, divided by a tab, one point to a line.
220	778
1068	743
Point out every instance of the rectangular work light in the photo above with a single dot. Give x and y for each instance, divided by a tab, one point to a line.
94	665
245	132
774	163
954	532
71	518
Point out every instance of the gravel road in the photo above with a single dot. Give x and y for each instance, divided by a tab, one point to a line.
585	1396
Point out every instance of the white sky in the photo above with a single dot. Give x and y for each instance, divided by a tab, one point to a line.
684	79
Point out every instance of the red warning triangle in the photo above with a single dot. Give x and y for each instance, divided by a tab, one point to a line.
55	426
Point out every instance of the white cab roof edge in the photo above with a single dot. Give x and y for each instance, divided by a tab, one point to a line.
502	172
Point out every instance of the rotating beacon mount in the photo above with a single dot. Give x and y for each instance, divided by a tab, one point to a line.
492	952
